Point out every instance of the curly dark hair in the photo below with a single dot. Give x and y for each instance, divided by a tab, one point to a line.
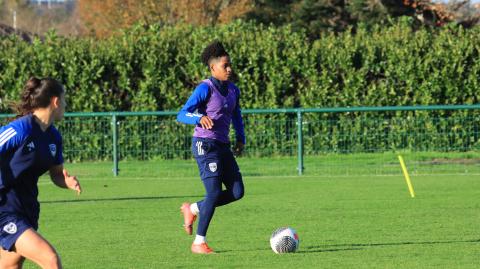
212	51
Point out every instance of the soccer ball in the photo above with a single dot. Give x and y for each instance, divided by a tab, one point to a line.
284	240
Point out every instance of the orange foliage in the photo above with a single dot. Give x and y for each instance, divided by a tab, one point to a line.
102	17
210	12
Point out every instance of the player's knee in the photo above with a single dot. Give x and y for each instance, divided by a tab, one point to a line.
52	261
238	194
214	196
238	189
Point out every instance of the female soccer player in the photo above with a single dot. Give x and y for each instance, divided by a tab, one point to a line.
29	146
213	105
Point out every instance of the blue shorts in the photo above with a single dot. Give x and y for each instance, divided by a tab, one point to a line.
11	227
214	159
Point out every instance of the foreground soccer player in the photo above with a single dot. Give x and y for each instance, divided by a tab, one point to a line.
30	146
213	105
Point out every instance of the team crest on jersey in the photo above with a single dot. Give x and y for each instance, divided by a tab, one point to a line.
212	166
10	228
53	149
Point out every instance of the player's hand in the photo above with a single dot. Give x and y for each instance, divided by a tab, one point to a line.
72	182
206	122
238	148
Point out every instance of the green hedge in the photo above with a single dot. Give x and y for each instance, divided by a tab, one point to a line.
150	68
156	68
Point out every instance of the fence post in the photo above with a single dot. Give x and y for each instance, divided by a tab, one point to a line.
300	141
115	144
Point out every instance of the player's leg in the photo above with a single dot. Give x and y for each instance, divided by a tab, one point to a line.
206	154
213	188
191	210
10	260
232	179
12	227
34	247
210	167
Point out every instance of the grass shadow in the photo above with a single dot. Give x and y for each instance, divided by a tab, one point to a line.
346	247
119	199
319	250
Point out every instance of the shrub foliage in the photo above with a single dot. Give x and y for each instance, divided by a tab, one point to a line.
155	67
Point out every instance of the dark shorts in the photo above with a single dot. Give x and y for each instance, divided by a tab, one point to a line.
11	227
214	159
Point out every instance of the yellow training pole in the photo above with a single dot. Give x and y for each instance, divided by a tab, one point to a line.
407	177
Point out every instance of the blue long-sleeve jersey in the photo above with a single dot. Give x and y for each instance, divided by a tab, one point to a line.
221	102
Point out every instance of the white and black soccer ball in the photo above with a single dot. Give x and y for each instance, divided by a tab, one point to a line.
284	240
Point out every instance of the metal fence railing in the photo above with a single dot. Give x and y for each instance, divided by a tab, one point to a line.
351	140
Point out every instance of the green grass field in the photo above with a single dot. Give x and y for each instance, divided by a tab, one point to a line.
133	221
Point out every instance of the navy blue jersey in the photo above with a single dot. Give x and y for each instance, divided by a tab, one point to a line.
26	153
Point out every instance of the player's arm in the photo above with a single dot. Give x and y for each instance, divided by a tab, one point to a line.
59	174
61	178
237	122
189	112
10	140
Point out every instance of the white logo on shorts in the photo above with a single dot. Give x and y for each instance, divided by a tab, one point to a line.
212	166
199	148
10	228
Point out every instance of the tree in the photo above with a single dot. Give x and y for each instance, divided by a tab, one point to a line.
367	12
277	12
101	17
322	15
209	12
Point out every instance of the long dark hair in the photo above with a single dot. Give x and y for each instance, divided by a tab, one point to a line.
37	93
